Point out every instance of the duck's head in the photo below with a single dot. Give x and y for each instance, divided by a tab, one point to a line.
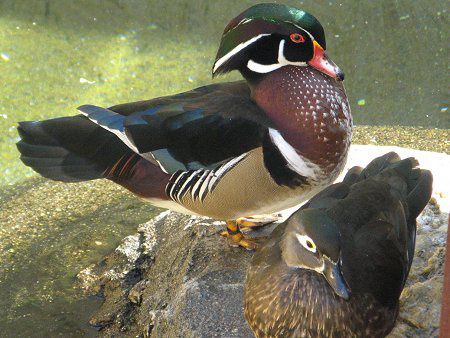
312	241
267	37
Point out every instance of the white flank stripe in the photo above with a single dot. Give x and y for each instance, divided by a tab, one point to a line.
295	161
229	164
186	182
197	184
211	182
236	50
204	187
223	169
174	185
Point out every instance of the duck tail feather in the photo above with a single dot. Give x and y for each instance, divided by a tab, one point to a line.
379	164
352	175
411	182
68	149
420	186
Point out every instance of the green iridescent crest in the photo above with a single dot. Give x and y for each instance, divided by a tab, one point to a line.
278	13
267	19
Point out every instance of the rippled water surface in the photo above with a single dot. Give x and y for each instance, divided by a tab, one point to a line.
58	54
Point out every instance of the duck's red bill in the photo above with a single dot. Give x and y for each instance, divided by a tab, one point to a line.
321	62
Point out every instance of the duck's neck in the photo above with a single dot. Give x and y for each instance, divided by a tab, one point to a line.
310	110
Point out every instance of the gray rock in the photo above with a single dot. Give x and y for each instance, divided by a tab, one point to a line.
178	278
175	278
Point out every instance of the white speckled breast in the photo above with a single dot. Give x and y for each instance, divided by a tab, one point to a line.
311	111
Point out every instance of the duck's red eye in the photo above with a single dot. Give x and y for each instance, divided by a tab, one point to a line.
297	38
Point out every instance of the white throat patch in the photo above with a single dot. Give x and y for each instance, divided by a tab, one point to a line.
282	61
296	162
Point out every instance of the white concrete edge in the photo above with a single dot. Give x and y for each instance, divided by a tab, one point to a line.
437	163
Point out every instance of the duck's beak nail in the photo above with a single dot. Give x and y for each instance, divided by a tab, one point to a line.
340	75
322	62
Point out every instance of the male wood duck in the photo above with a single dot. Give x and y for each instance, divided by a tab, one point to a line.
337	266
224	150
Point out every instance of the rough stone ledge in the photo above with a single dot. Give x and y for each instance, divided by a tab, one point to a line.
178	278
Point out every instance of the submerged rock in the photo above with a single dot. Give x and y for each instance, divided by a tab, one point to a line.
178	278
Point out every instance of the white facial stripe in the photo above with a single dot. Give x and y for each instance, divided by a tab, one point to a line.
246	20
295	161
281	57
309	34
304	239
262	69
236	50
282	61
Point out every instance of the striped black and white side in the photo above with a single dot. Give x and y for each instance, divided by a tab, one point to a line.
198	183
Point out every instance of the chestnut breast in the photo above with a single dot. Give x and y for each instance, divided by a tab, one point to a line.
311	111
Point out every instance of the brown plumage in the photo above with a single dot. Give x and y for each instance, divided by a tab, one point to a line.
337	266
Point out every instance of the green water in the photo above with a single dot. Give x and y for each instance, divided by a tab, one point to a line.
394	54
58	54
49	232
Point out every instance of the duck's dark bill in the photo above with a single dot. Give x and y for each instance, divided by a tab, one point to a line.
332	273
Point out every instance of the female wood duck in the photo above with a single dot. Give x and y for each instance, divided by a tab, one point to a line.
337	266
224	150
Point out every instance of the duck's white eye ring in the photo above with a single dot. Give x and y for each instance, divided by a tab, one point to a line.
307	242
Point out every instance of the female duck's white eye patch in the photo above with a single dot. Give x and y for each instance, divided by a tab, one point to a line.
307	242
